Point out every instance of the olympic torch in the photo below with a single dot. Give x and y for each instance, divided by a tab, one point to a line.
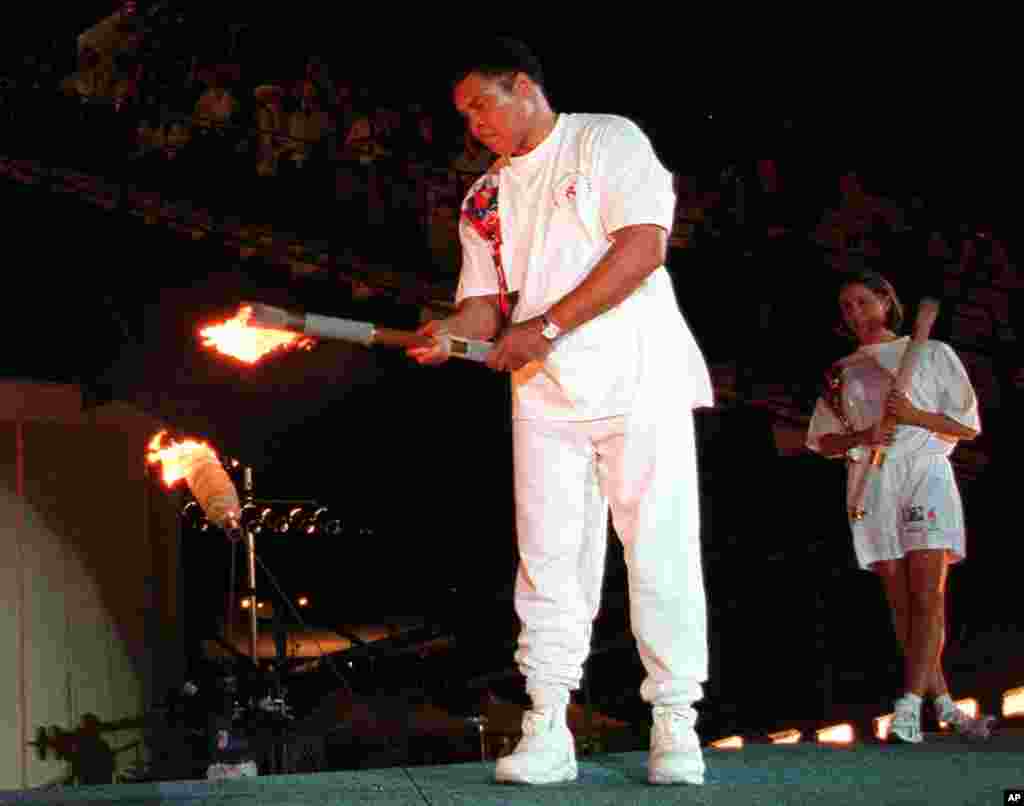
209	483
260	329
927	312
212	487
365	333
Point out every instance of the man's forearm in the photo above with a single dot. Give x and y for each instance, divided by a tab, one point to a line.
634	255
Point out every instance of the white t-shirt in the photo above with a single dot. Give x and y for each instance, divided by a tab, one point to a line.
556	209
939	384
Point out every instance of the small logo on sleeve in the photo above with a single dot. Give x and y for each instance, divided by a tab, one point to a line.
569	188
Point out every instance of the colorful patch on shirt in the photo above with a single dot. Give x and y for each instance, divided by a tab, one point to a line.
481	213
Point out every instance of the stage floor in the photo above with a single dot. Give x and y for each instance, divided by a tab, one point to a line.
942	770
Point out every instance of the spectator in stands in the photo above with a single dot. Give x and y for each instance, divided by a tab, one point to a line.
89	80
306	122
271	122
363	140
363	148
301	160
213	158
271	139
216	106
177	137
99	47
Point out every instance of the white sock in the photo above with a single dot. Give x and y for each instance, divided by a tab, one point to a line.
947	711
944	705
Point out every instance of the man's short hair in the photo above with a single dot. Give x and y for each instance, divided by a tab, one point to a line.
498	58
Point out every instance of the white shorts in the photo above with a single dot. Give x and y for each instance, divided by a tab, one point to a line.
915	506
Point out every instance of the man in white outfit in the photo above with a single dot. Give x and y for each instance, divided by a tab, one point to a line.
564	242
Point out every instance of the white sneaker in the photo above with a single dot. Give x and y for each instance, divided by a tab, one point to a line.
906	722
676	756
545	755
969	727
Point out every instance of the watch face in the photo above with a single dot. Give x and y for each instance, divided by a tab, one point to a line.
550	331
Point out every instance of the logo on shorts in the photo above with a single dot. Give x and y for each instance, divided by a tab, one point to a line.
916	515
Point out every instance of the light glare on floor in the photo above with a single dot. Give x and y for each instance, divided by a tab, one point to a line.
836	734
1013	702
792	736
882	724
728	743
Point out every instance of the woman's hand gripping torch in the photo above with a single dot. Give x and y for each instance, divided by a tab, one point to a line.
927	312
365	333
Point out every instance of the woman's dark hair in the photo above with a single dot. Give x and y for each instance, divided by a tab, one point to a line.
881	287
499	58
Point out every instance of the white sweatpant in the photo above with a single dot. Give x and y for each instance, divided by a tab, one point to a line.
567	474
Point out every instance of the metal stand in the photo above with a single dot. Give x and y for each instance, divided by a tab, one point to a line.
250	550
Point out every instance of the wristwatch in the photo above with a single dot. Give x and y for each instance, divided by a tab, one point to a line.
551	331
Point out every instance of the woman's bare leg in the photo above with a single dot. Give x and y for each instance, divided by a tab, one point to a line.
926	597
895	577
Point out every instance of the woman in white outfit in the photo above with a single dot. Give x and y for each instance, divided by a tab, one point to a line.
913	528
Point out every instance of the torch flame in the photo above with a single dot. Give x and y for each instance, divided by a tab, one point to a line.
177	457
237	338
